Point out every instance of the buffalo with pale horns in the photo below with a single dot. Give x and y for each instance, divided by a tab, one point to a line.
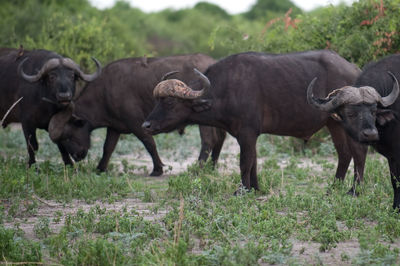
369	112
121	98
252	93
44	83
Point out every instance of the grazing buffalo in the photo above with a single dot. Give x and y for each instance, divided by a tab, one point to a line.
252	93
46	83
120	99
369	112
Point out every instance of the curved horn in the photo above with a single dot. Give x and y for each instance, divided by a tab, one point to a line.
49	65
177	88
58	121
204	80
86	77
167	75
391	98
326	105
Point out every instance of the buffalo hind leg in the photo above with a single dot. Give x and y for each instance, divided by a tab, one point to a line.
150	145
221	135
108	148
212	140
248	159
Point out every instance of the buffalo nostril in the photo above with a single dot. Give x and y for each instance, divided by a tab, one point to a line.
370	134
146	124
64	94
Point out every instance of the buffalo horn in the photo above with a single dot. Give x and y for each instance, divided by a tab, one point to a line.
167	75
58	122
86	77
50	64
192	94
391	98
177	88
321	104
205	81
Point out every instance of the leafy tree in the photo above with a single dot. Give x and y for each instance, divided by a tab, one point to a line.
212	9
268	8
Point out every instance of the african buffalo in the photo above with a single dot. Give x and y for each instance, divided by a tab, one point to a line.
369	112
120	99
252	93
46	83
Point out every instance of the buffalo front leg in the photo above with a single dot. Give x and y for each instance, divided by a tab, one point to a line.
108	148
339	138
64	154
248	160
31	142
359	154
395	178
150	145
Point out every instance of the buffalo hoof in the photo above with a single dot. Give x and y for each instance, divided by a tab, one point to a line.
156	172
352	192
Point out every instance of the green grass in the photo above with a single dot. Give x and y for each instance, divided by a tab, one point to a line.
192	218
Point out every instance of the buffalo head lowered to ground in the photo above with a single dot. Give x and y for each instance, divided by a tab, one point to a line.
120	99
47	84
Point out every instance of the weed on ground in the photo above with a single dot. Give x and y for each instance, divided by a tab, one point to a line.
53	214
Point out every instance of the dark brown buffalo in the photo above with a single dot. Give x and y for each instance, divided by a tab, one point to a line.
120	99
252	93
369	112
46	83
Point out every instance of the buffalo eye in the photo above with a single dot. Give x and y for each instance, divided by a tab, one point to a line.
373	111
351	114
52	77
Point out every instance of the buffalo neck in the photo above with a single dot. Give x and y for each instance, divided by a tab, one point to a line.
90	106
211	117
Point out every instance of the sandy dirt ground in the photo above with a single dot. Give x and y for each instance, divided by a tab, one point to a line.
304	252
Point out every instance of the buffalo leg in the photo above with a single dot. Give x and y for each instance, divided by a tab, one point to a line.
221	135
359	153
208	139
339	139
31	142
108	148
64	154
212	140
248	159
395	178
150	146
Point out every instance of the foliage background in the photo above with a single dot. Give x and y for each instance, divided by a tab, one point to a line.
365	31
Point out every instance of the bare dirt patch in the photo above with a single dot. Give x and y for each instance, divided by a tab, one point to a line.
50	208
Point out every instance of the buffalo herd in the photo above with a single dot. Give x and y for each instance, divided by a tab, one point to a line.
245	94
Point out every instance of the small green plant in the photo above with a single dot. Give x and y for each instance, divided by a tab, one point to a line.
14	248
42	228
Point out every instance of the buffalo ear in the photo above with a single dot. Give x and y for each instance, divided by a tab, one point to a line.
57	123
200	105
383	116
336	117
